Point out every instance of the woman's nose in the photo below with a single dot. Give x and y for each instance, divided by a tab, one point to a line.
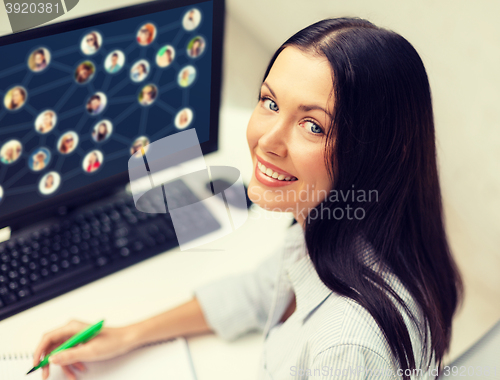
274	140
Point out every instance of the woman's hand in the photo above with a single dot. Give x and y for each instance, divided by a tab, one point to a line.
109	343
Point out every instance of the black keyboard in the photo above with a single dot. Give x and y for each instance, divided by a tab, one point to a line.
89	244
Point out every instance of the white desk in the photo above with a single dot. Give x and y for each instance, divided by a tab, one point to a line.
168	279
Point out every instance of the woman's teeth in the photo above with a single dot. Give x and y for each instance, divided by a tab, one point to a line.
270	173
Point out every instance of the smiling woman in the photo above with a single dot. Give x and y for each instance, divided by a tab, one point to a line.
344	108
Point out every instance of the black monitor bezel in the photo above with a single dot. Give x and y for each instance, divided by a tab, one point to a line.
65	202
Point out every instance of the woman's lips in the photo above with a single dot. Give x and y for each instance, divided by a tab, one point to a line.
274	167
272	175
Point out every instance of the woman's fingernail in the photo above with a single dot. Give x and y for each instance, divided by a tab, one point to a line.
53	359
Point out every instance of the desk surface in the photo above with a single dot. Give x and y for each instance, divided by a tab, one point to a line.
168	279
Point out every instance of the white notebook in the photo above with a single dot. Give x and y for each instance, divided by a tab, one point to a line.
169	360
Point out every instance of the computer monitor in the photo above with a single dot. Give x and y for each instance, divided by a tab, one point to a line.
79	97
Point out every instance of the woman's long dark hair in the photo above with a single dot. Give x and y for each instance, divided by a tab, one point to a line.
382	139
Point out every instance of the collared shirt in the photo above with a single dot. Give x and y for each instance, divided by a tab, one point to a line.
328	336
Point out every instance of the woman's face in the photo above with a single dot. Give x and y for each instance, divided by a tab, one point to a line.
49	181
102	129
287	131
17	96
84	73
47	119
147	94
90	40
144	36
39	58
95	103
9	153
92	159
68	143
40	157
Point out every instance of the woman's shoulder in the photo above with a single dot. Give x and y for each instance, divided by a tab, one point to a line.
343	327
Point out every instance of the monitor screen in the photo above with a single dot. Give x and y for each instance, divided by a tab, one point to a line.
77	102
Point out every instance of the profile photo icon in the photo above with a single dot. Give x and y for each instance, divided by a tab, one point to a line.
139	70
114	61
183	118
39	159
39	59
165	56
45	121
146	34
102	130
10	152
1	193
67	142
196	47
139	146
49	183
15	98
92	161
96	103
91	43
186	76
148	95
84	72
191	19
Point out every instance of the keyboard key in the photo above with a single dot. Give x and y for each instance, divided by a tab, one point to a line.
101	261
9	298
44	272
13	285
124	252
23	293
61	278
64	264
121	242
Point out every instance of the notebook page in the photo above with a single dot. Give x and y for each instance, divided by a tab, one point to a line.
170	360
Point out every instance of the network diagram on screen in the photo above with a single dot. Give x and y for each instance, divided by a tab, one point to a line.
77	105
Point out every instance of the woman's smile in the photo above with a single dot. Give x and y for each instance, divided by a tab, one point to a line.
271	175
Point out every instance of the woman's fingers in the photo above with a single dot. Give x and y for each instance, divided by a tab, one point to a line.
45	372
68	372
80	366
56	336
73	355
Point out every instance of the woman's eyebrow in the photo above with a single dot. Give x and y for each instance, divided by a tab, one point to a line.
302	107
